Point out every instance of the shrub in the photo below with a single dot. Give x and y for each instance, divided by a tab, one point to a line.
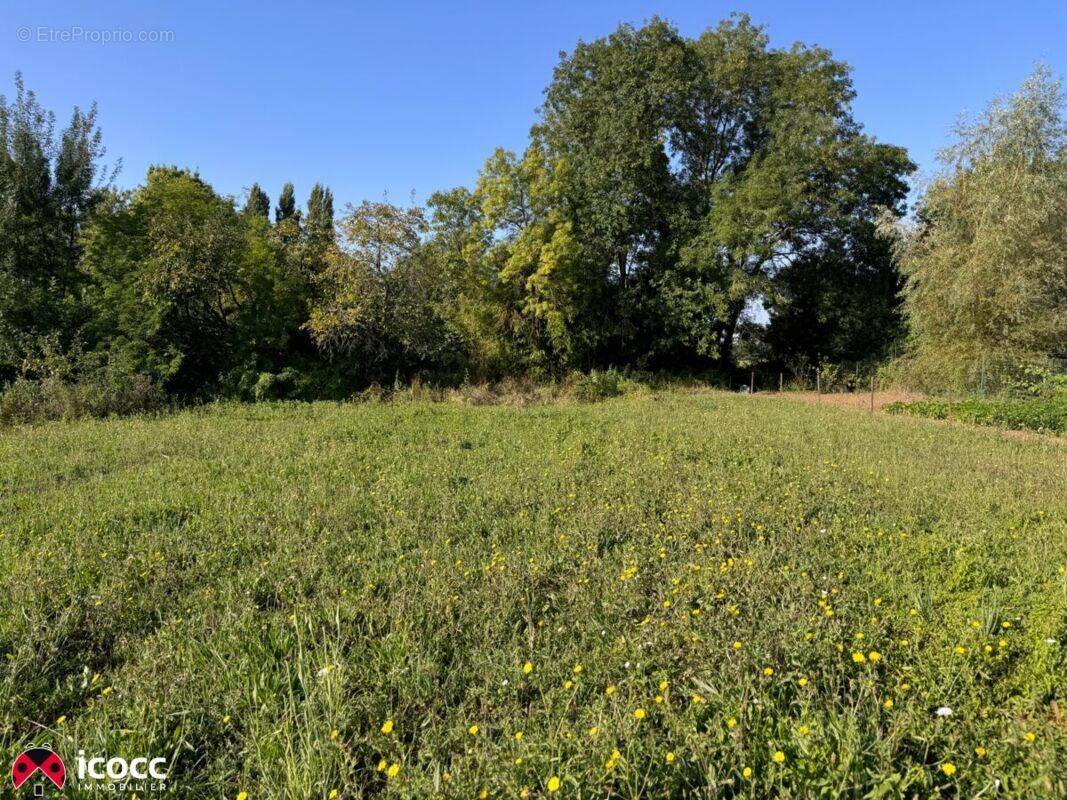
102	394
1047	414
56	383
596	386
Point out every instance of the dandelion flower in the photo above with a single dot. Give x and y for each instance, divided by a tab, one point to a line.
333	794
242	796
670	758
1029	736
948	768
609	691
335	733
768	671
980	751
382	765
527	668
473	730
802	682
778	757
874	656
858	657
393	770
553	784
639	713
387	726
746	772
731	723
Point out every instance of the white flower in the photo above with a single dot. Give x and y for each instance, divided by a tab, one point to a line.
943	711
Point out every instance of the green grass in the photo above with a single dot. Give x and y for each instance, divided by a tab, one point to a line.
1045	414
252	591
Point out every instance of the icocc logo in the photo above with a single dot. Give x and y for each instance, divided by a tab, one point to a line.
41	768
116	768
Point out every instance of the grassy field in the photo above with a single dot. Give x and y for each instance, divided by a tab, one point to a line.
686	594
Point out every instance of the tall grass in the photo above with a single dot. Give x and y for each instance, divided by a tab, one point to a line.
785	592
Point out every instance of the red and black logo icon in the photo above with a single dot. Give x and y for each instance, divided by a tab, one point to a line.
39	759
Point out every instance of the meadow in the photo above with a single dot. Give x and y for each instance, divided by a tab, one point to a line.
666	594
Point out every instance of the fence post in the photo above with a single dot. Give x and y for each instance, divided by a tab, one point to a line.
872	391
752	382
779	381
818	382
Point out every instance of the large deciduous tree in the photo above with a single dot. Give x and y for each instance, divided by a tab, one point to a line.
986	265
380	298
693	174
182	286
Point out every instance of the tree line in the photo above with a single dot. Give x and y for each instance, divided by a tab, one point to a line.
696	205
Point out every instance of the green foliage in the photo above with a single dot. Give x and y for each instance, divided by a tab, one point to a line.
672	189
57	384
987	280
48	183
286	208
1047	414
380	299
182	287
257	203
253	591
320	214
597	385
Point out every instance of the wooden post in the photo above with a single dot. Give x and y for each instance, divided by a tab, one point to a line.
752	382
779	381
872	391
818	382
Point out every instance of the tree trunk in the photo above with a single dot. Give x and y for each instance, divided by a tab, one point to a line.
726	346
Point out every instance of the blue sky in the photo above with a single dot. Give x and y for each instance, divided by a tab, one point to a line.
394	97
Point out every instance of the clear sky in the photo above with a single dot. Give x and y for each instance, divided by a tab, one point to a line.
402	97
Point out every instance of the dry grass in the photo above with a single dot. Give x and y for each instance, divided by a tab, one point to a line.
854	401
